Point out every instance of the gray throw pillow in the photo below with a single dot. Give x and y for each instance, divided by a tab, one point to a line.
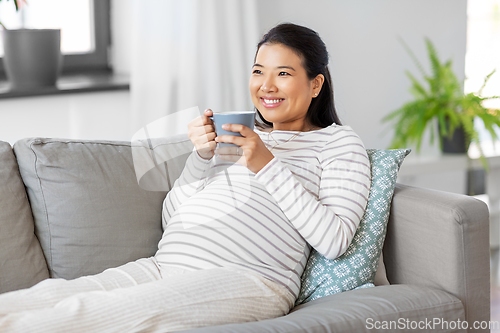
90	212
21	259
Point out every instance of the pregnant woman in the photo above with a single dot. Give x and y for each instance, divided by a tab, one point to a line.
232	251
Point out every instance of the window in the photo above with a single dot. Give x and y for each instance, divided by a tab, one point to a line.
482	56
84	24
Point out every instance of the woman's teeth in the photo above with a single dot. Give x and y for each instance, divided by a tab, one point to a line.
272	101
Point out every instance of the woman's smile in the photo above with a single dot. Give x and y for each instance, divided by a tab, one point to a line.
270	102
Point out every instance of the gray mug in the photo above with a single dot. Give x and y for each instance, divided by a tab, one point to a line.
246	118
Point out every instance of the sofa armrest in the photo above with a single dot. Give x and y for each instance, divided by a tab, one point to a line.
440	240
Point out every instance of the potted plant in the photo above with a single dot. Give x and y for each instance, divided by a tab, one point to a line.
441	106
32	57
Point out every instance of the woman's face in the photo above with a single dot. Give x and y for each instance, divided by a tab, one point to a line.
280	88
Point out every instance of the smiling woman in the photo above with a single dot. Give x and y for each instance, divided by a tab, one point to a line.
280	82
291	65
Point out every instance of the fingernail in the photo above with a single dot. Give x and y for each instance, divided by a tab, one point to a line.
225	126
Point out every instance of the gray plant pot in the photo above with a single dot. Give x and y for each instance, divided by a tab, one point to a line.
32	57
457	144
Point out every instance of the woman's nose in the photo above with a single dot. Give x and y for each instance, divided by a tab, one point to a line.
268	86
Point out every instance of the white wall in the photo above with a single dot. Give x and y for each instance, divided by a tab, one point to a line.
368	64
122	27
102	115
367	61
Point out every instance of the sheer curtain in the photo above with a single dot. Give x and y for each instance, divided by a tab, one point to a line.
191	53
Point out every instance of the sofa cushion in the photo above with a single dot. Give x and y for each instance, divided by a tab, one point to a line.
358	265
90	213
21	259
407	308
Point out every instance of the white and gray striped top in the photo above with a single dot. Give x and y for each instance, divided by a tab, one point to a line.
313	192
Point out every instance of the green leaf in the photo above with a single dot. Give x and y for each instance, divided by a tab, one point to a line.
440	106
486	79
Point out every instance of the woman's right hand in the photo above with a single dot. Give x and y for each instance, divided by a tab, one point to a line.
201	132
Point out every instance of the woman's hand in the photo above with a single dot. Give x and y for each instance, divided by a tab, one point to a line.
252	152
201	132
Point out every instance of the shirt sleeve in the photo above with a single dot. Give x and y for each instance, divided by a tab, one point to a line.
189	182
327	224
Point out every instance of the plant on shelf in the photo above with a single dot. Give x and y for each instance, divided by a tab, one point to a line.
18	4
440	104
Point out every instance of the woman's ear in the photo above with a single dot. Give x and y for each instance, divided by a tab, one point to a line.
317	84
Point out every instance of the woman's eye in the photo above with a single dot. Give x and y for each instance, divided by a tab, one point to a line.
256	72
283	74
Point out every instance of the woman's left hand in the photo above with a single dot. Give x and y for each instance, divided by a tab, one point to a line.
252	152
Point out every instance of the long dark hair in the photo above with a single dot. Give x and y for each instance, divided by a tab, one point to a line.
308	45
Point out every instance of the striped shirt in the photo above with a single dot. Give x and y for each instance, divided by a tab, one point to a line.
312	193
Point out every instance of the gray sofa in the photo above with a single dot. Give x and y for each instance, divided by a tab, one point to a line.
70	208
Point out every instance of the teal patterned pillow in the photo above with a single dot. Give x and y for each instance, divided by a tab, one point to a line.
357	266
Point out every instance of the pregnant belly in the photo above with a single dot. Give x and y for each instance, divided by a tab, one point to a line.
237	225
